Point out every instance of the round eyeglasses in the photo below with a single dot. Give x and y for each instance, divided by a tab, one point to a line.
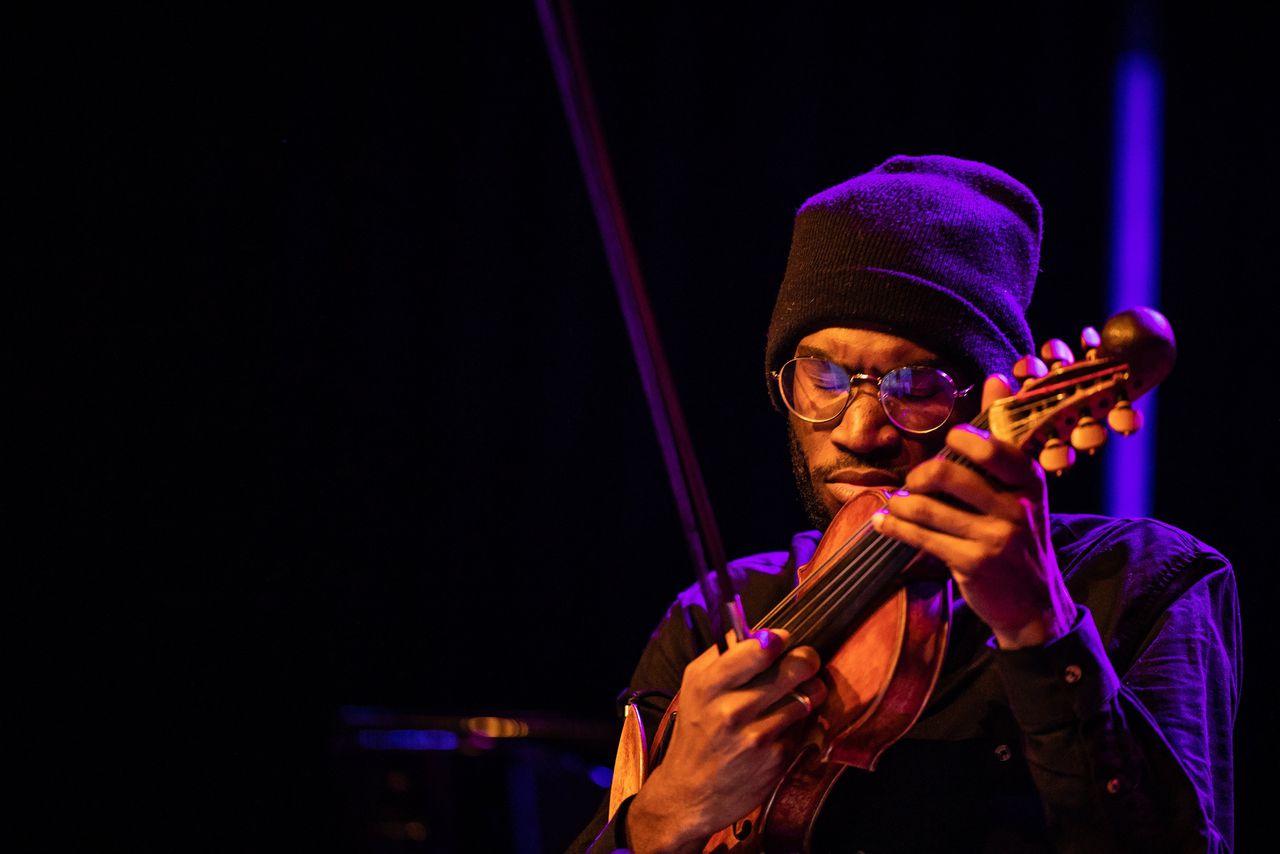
917	398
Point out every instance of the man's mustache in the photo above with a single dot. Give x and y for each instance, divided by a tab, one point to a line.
852	461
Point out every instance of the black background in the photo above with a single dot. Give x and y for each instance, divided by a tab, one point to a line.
333	401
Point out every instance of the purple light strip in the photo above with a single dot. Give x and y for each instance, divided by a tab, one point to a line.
1135	256
407	739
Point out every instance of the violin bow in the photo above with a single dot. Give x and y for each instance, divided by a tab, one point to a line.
692	502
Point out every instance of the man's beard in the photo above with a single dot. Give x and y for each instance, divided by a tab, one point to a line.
809	482
819	515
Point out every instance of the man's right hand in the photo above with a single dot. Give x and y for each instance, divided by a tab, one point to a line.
735	733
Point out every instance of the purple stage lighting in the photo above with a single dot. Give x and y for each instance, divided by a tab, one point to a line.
407	739
1135	254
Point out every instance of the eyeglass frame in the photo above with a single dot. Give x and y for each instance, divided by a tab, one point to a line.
861	379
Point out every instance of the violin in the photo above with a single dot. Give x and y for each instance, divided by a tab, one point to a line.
877	610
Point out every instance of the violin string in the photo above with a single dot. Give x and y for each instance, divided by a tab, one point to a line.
845	587
819	602
784	614
812	578
833	587
836	585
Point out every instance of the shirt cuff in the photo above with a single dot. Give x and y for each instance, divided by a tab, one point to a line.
1067	680
614	835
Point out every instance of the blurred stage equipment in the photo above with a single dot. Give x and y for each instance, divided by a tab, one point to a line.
522	783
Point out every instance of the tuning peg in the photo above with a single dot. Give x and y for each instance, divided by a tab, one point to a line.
1056	352
1029	367
1090	341
1124	419
1057	456
1088	435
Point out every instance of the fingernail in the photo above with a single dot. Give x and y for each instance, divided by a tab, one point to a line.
901	493
766	638
977	431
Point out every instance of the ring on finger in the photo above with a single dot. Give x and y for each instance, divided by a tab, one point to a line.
803	700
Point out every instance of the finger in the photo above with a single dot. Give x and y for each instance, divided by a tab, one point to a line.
996	387
958	553
791	709
947	477
928	512
742	661
741	706
997	458
792	669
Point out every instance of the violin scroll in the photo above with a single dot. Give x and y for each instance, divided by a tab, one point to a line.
1065	404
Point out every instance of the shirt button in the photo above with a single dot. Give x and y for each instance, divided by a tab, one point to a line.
1114	785
1071	674
1003	753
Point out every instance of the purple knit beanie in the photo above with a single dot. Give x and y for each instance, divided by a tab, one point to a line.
941	251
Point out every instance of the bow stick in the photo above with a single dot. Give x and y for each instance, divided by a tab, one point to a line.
692	503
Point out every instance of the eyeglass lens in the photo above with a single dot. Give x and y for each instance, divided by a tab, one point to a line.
917	399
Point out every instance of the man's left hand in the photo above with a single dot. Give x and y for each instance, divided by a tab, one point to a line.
997	546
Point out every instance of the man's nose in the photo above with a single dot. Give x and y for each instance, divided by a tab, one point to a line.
864	426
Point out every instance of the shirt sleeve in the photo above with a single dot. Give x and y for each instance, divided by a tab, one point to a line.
1143	761
656	678
604	835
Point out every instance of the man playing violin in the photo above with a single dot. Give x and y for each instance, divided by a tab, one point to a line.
1092	666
